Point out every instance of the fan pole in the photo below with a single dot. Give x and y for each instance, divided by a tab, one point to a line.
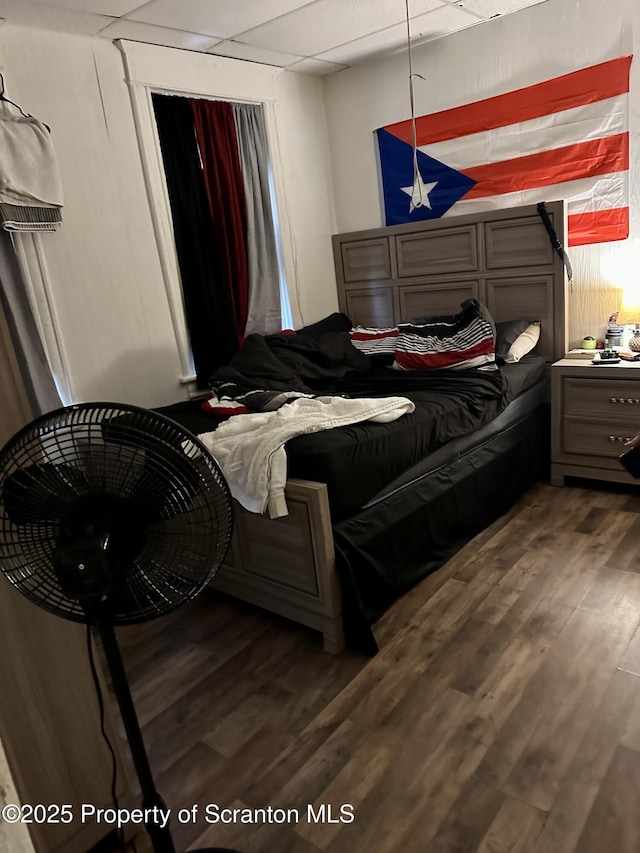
151	799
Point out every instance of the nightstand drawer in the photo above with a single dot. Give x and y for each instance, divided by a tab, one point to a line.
595	438
616	398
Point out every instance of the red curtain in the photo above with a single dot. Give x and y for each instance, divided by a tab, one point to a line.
216	134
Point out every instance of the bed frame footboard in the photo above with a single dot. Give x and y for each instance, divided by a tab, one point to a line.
287	565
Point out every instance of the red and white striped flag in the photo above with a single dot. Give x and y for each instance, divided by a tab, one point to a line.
564	138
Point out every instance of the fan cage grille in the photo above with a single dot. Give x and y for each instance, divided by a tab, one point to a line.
143	458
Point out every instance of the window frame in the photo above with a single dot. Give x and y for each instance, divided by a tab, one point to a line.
148	71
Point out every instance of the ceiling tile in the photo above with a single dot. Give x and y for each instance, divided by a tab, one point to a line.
25	14
380	42
441	22
237	50
317	67
113	8
125	29
418	7
222	18
489	8
322	25
447	19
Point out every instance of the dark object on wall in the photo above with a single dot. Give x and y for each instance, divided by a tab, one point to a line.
554	239
112	515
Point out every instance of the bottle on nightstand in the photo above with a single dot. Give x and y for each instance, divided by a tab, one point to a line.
613	337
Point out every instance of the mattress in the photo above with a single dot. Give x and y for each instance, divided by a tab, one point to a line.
365	460
529	391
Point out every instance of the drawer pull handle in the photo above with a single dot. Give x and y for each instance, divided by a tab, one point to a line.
619	438
630	400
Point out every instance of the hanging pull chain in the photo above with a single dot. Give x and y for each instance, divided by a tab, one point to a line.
418	197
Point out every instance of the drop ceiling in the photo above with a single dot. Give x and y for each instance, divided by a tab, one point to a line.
312	36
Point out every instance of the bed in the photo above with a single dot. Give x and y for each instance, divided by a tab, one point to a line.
355	538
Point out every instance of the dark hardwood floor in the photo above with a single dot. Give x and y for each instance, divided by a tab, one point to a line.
502	712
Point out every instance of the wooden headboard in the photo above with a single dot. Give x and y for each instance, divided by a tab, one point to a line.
503	258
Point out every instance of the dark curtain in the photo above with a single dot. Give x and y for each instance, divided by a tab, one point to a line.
204	272
215	129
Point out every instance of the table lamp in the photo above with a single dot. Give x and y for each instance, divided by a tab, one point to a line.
629	314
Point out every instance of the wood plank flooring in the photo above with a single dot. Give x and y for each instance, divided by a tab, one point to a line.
502	712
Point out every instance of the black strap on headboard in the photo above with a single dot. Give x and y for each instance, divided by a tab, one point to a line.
553	237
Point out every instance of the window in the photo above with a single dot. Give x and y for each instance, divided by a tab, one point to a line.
220	187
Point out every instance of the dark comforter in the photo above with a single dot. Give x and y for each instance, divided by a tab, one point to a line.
288	362
448	404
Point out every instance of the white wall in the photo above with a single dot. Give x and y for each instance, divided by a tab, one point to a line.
510	52
106	281
114	322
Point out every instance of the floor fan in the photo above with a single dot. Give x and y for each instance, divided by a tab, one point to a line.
112	515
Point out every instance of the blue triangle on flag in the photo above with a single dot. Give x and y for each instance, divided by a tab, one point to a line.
396	166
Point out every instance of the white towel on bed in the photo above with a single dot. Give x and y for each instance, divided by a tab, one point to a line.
250	448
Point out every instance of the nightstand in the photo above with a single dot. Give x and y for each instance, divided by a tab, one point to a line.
594	410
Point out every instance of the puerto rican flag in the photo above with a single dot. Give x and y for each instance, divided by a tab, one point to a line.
564	138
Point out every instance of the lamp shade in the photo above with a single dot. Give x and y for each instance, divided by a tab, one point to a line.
629	313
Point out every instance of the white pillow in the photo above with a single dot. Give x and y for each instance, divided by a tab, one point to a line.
523	344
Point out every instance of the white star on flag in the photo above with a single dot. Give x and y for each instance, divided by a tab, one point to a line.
419	193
